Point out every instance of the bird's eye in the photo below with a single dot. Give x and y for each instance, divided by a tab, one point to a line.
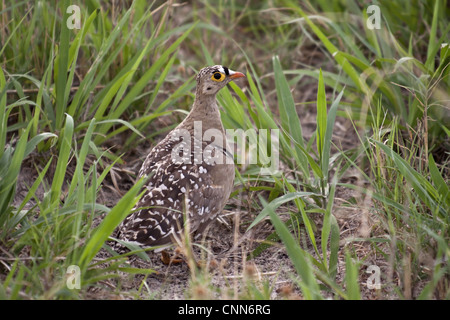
217	76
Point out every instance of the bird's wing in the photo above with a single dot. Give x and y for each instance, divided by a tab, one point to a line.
174	189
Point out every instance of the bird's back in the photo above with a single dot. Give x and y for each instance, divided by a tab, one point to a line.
180	190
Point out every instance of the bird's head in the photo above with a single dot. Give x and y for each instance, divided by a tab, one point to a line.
211	79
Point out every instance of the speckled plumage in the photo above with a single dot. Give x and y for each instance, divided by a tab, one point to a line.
183	188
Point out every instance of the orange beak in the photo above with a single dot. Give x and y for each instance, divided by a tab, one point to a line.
236	75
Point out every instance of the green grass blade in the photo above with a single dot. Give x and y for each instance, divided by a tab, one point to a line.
276	203
306	221
31	192
343	62
329	221
109	223
82	156
12	35
160	81
321	118
426	192
31	145
8	181
142	82
439	182
62	67
351	278
328	135
432	47
63	158
334	247
289	117
310	160
309	285
101	64
3	118
106	100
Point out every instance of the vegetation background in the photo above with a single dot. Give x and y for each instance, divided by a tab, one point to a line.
364	144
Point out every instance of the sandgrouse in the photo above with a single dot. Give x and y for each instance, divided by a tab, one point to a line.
190	172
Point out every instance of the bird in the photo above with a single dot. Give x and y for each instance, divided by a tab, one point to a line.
190	173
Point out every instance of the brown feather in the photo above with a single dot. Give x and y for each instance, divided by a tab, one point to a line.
180	191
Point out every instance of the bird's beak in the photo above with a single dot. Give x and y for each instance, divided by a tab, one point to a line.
234	75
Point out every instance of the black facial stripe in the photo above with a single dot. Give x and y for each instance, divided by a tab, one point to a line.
226	71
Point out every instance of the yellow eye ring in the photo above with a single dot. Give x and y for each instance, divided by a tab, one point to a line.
218	76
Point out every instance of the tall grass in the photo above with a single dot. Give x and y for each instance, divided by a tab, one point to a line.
408	187
379	78
67	95
58	231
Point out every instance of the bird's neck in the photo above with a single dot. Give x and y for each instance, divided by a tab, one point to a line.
205	109
205	115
